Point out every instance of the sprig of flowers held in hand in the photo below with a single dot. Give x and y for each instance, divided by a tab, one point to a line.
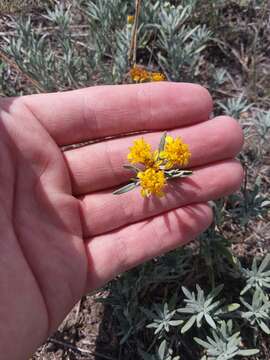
153	169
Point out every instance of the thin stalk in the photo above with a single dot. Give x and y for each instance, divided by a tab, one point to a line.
133	44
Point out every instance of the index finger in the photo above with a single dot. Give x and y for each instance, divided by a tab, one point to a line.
95	112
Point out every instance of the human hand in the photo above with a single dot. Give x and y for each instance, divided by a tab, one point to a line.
63	232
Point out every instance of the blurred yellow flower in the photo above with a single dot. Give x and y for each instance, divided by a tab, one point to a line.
139	74
175	152
157	76
152	182
130	19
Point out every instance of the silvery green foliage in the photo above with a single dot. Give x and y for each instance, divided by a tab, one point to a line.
258	312
258	277
166	321
162	318
104	18
220	76
263	123
110	37
71	64
61	16
181	44
200	308
120	65
250	203
235	106
132	316
51	59
33	54
224	344
125	305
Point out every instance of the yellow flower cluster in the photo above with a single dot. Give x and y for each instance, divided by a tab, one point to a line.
152	178
141	153
152	181
138	74
157	76
175	153
130	19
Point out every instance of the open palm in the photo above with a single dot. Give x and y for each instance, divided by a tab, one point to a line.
63	233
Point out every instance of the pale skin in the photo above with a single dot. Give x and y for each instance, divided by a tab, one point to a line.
63	233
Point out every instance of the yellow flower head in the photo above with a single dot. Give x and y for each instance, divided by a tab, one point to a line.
139	74
141	152
175	152
157	76
152	182
156	167
130	19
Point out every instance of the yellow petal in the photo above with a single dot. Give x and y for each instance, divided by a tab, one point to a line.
169	139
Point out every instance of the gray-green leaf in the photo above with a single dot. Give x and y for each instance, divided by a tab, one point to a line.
162	142
125	188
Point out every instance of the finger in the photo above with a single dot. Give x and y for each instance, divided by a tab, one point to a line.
103	212
76	116
100	166
116	252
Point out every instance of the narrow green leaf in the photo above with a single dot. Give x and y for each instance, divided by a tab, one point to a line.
162	142
162	349
254	266
265	263
202	343
210	321
187	293
248	352
264	327
246	288
188	324
199	319
265	203
231	307
125	188
130	167
176	322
